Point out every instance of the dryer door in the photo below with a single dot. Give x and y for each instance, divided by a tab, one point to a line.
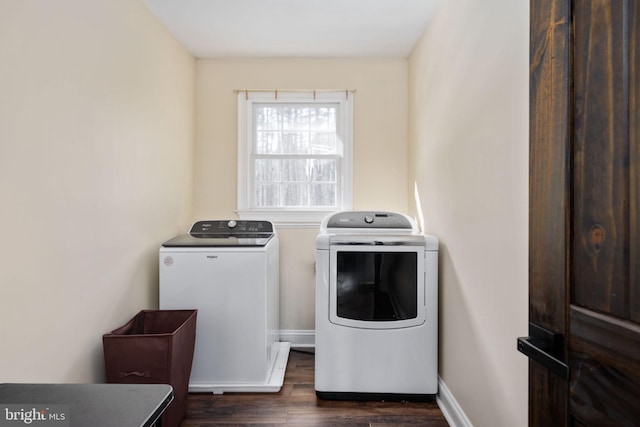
377	287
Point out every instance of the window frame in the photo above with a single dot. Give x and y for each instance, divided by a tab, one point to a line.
292	216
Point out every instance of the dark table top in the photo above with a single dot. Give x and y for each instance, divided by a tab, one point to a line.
86	405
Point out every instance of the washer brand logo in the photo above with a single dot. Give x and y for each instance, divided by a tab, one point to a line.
168	261
37	415
212	256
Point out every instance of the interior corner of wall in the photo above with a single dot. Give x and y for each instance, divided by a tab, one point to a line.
418	206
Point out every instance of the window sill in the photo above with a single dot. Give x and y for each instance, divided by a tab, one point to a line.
287	219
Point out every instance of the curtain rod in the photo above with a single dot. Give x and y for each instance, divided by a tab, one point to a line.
275	91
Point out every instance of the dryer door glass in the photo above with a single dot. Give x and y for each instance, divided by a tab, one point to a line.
377	288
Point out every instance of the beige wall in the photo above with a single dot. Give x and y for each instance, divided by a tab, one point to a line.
96	154
469	162
380	149
97	165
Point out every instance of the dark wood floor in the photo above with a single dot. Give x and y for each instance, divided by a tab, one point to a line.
297	405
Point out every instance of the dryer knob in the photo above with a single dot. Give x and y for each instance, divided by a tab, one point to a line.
368	219
232	224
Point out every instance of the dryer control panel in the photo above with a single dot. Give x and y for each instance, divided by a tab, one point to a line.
363	219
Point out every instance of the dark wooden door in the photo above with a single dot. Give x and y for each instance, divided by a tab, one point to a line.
584	277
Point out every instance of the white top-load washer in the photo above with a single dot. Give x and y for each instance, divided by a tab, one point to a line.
376	308
229	271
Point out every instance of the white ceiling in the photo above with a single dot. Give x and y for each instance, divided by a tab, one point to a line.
296	28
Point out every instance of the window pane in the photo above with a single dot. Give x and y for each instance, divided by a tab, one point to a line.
267	117
295	170
323	143
267	195
323	194
295	194
295	130
323	170
268	142
268	170
295	118
323	119
295	142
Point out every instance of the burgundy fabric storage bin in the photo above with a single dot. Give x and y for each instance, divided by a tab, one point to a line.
155	347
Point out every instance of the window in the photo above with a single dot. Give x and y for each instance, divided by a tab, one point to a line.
294	155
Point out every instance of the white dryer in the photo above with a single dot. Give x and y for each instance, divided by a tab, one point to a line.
229	272
376	308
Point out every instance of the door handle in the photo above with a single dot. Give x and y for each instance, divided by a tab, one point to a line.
545	347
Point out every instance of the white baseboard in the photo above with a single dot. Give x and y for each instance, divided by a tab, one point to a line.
299	338
450	408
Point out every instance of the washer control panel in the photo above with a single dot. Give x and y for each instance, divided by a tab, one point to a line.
226	227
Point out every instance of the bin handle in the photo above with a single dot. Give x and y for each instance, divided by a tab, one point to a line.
145	374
